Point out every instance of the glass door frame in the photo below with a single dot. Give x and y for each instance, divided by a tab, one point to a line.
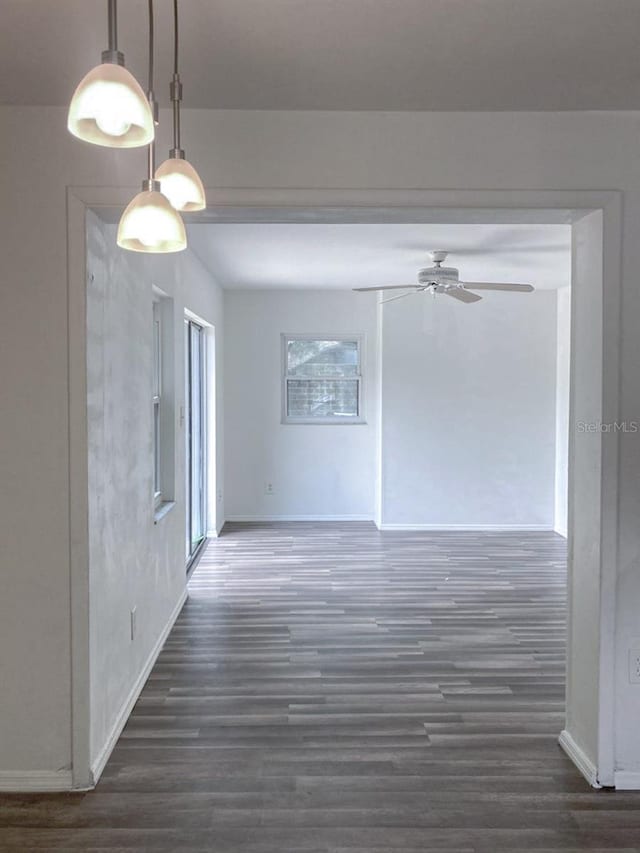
195	376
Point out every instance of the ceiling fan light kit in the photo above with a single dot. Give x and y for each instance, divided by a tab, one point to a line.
109	108
438	279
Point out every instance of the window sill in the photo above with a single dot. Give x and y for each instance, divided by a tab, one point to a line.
162	509
324	421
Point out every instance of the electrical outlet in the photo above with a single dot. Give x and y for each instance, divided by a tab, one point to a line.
268	488
219	496
634	665
133	615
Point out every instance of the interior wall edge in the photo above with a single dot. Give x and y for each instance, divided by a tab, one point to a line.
217	530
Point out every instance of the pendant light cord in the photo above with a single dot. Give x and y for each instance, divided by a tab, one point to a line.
175	36
152	100
112	54
112	16
176	88
151	46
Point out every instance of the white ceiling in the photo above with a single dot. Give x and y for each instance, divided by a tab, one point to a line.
341	54
300	256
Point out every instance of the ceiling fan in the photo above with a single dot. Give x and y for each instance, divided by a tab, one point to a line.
439	279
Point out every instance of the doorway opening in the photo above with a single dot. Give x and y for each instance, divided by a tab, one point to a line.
595	218
582	469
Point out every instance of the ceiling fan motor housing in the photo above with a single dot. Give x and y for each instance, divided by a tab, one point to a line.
438	275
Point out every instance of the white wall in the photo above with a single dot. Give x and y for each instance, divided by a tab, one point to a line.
468	411
318	471
254	150
563	338
134	562
584	583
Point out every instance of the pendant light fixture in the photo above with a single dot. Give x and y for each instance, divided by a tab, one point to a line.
150	223
109	107
180	181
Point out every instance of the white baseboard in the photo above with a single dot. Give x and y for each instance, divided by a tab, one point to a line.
386	526
35	780
258	518
627	780
103	756
471	528
579	758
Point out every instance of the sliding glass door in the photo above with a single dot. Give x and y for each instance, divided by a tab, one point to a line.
196	437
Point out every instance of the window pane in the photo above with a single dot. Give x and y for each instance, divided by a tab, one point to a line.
322	398
322	358
156	448
156	351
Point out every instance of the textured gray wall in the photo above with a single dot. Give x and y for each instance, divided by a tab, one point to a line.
133	562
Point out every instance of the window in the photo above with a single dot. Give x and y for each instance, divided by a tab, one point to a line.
322	379
157	402
163	403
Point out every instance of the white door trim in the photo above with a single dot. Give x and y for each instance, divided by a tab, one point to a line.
342	205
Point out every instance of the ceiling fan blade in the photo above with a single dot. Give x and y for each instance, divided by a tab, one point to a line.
400	296
489	285
509	249
389	287
462	295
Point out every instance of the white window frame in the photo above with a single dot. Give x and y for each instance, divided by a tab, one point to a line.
163	399
190	320
156	397
329	336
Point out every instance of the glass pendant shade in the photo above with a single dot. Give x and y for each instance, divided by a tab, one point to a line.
150	224
109	108
181	184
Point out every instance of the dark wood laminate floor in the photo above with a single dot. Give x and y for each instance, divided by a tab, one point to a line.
332	689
